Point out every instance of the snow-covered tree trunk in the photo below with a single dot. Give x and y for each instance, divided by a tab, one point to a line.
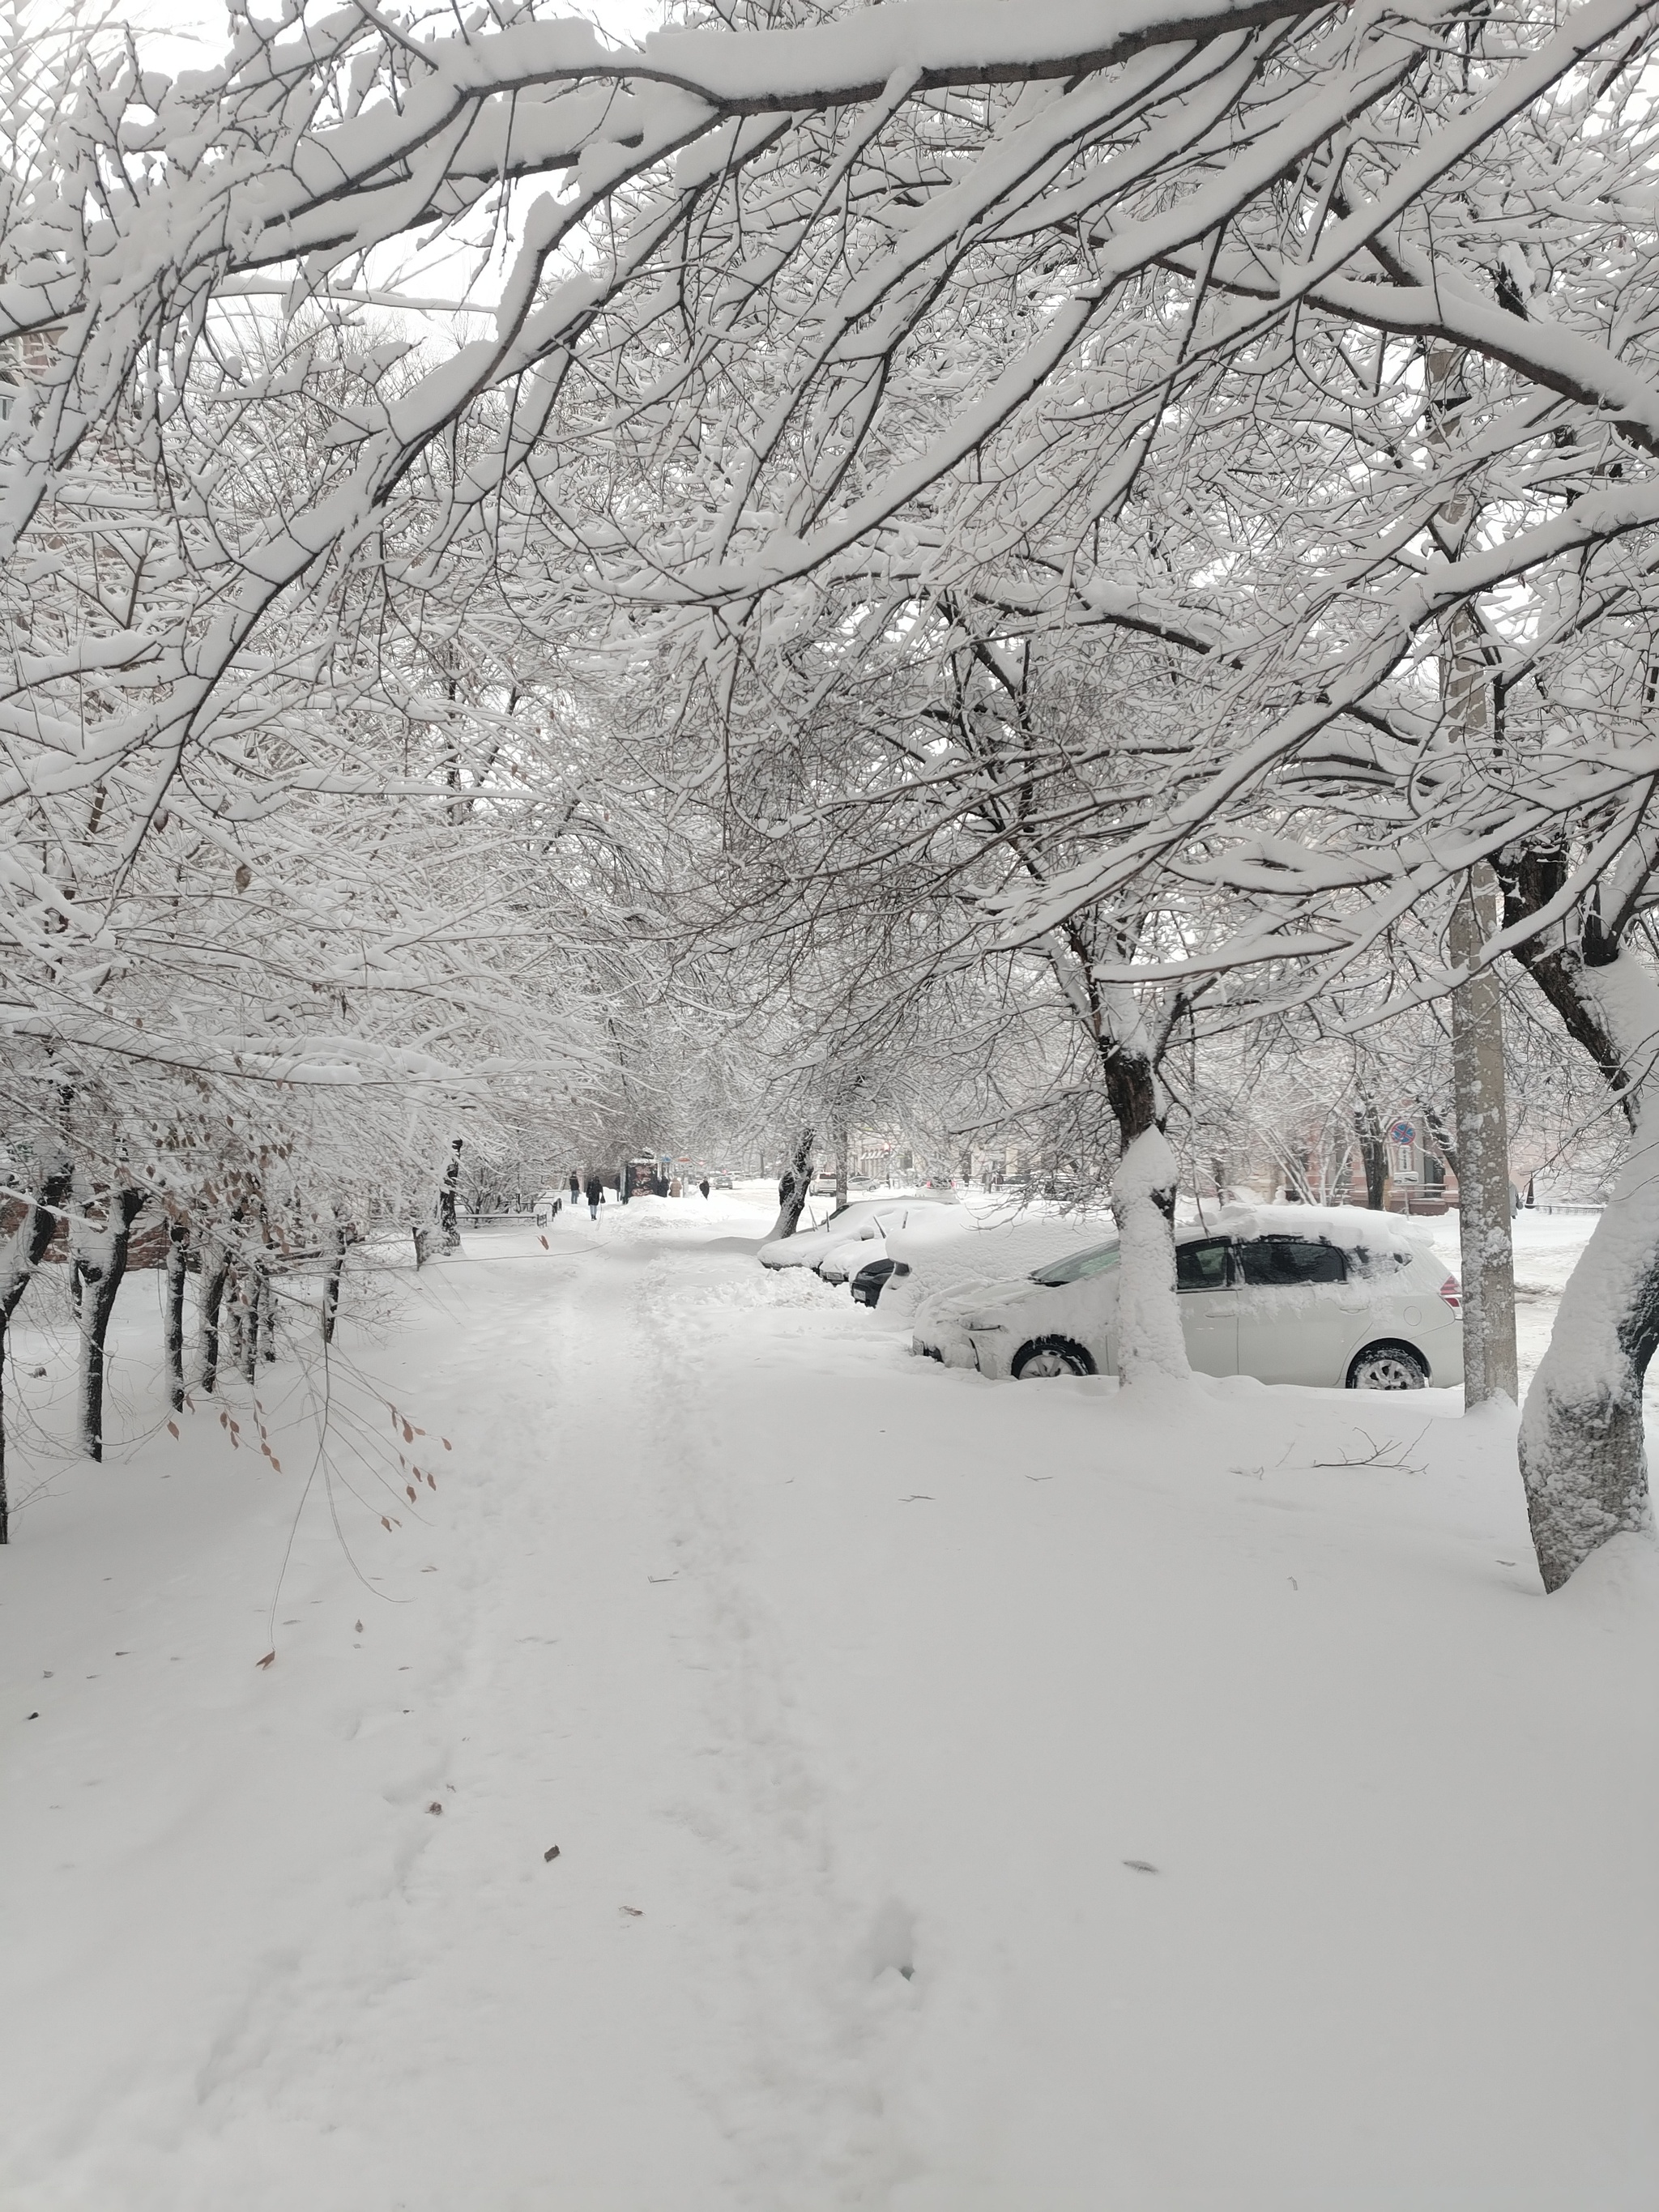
216	1271
174	1326
1150	1342
448	1228
1582	1458
244	1317
102	1257
264	1312
28	1246
1478	1074
793	1186
331	1280
1483	1154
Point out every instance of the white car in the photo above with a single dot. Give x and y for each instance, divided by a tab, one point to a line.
1334	1296
858	1222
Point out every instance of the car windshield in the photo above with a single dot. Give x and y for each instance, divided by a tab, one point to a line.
1076	1265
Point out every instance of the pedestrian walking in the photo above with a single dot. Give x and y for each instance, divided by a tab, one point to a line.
703	1186
575	1189
595	1197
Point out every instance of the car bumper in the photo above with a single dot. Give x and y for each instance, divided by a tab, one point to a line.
951	1347
993	1352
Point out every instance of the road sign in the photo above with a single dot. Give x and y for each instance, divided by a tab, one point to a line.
1402	1133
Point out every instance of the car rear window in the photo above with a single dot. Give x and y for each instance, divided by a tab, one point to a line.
1076	1265
1362	1262
1291	1260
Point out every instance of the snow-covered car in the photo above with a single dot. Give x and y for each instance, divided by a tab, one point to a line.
1334	1296
872	1279
950	1247
842	1262
858	1222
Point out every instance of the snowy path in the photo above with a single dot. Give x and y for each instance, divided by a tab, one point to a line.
871	1690
448	2010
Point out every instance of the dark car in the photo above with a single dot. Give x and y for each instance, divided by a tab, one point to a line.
870	1280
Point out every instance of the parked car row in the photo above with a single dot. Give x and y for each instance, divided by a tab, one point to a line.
1336	1296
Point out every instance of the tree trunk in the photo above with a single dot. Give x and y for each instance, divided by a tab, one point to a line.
1150	1341
1583	1457
213	1298
841	1136
245	1313
448	1228
1373	1154
177	1253
331	1281
1479	1110
233	1313
1483	1154
265	1313
29	1242
796	1183
103	1263
1439	1136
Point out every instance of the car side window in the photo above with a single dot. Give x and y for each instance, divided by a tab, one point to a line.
1284	1259
1202	1267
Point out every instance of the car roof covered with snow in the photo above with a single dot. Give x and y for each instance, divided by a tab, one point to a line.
1350	1228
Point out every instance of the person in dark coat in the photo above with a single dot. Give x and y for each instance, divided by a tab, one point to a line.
595	1197
575	1189
703	1186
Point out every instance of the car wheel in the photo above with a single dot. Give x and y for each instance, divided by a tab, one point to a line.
1387	1367
1051	1355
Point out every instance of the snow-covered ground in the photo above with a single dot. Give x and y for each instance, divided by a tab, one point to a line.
969	1798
